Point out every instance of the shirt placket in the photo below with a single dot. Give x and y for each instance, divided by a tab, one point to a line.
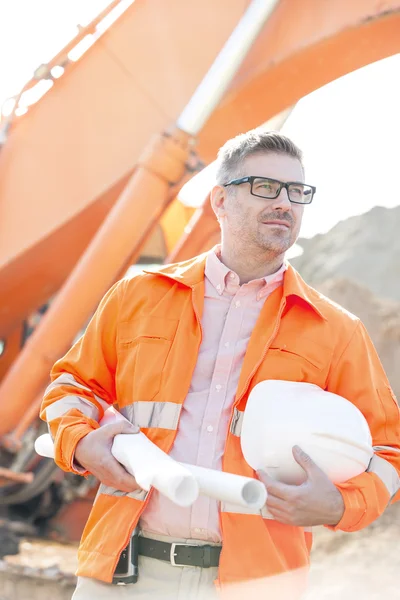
218	391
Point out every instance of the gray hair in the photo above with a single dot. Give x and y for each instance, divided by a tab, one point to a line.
232	154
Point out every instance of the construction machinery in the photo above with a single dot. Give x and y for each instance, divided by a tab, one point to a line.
92	159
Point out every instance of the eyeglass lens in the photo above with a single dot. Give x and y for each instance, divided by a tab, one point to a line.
269	188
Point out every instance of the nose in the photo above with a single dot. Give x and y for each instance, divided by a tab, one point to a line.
282	202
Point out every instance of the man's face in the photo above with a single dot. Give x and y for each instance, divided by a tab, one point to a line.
247	220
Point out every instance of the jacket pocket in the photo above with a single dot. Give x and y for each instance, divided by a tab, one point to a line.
143	348
307	351
298	359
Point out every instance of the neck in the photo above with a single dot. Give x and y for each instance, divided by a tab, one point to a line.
250	265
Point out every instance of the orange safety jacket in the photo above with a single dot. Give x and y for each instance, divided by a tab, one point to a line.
138	354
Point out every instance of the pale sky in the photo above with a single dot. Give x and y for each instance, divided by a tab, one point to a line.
349	130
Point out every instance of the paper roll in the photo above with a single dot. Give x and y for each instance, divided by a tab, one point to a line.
147	463
227	487
44	446
180	482
152	467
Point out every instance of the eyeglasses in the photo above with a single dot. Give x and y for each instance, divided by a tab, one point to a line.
265	187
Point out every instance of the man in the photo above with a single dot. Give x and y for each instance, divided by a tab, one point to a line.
178	351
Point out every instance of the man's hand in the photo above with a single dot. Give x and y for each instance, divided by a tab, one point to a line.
317	501
93	452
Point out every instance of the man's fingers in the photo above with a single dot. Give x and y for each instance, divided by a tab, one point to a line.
123	480
276	488
280	516
275	503
305	461
264	477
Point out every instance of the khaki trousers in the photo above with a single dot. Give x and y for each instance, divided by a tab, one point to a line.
157	580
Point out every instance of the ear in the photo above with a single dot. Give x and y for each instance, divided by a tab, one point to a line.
218	201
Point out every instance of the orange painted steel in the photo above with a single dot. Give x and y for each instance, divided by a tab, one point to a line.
202	233
305	45
76	154
67	156
146	195
66	161
61	59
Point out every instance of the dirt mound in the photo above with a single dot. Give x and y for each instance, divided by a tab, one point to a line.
365	249
357	265
380	316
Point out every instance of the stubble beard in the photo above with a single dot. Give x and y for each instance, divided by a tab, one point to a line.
274	244
255	241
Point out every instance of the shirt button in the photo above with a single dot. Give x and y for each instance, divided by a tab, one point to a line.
197	529
232	275
226	344
219	288
210	428
237	303
218	387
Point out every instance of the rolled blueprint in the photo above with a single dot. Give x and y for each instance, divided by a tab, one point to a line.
150	466
44	446
228	487
147	463
180	482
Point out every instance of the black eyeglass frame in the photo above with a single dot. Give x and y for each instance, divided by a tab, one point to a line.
282	184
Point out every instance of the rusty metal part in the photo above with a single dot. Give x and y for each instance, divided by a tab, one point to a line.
16	477
13	441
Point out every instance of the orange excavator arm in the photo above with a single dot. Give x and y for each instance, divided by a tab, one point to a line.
66	161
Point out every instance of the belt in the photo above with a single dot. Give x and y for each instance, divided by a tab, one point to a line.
180	555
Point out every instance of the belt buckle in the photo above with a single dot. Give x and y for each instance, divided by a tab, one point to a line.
172	554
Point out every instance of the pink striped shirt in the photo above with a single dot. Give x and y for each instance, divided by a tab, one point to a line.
230	313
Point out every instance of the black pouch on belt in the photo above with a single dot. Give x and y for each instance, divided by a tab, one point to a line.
127	569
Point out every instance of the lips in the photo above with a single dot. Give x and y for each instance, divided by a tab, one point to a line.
284	223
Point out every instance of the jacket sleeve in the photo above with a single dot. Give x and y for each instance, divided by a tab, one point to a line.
357	374
83	383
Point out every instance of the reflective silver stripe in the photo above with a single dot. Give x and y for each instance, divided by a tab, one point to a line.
245	510
264	513
110	491
59	408
237	420
68	379
384	448
386	473
154	414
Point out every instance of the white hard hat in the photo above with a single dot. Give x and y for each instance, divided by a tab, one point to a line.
282	414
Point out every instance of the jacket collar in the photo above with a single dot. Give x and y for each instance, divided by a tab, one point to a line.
191	273
294	285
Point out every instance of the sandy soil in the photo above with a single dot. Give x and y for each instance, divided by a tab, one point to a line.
363	565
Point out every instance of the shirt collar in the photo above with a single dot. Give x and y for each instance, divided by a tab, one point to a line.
191	273
218	273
